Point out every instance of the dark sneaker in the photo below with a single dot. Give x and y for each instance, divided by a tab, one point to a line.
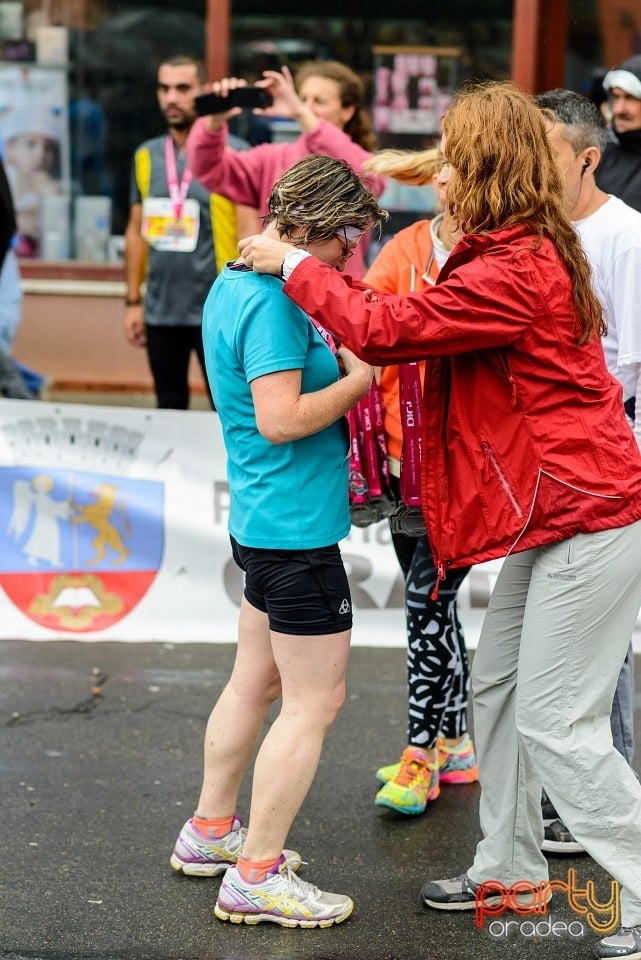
460	893
558	839
626	942
547	809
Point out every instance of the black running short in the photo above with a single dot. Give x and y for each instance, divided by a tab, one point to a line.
303	592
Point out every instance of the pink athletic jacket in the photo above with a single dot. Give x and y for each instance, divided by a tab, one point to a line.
248	176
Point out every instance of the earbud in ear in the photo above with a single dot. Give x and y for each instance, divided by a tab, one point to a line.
586	165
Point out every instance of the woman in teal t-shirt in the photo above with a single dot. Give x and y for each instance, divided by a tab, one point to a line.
281	392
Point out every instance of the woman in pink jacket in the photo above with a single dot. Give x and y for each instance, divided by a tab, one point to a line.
329	110
527	456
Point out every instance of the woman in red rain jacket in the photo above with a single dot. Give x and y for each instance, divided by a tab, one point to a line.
530	457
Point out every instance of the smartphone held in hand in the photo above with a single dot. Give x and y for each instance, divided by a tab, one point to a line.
245	97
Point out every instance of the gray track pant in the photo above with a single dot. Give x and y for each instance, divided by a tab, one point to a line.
554	637
622	716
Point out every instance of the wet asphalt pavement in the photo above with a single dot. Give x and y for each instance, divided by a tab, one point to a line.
100	763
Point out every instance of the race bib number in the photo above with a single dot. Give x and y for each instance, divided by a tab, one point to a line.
163	231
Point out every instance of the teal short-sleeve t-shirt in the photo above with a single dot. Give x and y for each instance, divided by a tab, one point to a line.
289	496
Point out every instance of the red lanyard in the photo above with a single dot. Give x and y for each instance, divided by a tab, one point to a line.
177	191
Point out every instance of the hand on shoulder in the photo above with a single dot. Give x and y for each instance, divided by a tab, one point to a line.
263	253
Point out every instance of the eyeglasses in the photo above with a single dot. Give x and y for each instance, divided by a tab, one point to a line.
352	234
349	237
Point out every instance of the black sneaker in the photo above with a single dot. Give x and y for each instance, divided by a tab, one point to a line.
626	942
558	839
459	893
547	809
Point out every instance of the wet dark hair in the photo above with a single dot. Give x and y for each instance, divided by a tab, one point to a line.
321	194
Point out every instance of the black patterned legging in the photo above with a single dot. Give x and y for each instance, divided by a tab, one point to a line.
437	667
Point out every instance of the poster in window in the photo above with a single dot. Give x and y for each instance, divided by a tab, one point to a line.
35	134
413	87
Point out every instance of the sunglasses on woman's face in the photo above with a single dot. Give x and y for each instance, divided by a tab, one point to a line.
349	237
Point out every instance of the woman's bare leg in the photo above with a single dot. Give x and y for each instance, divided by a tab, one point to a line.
237	719
312	671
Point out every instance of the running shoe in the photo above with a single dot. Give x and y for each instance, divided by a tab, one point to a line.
457	765
414	785
281	898
558	839
201	856
547	809
459	893
385	774
626	942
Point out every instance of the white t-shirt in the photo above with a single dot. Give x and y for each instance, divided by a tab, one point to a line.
611	238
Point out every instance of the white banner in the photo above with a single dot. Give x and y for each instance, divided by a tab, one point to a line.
113	526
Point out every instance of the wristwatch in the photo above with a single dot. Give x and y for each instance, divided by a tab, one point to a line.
291	261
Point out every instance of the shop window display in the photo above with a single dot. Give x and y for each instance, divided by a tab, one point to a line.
33	113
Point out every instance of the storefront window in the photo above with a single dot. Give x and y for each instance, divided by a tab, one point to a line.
76	98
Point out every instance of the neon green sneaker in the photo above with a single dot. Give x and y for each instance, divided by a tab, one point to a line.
385	774
415	784
456	764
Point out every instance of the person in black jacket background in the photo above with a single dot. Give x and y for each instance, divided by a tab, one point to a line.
619	172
